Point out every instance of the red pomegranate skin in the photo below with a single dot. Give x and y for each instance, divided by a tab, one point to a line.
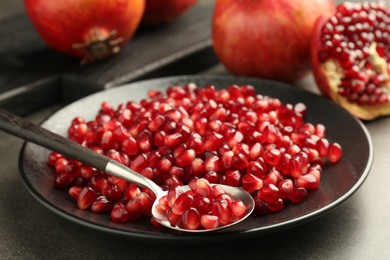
266	38
63	23
160	12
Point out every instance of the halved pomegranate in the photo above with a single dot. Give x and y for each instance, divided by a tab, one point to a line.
350	54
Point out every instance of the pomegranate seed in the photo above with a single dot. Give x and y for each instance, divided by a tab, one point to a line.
334	152
285	188
251	183
213	142
269	193
272	156
222	210
119	215
101	205
132	192
139	163
112	192
212	163
86	198
185	158
202	205
309	181
197	167
133	210
297	195
173	140
145	203
191	219
276	205
209	221
63	181
238	208
218	190
255	168
183	202
75	191
227	159
261	207
239	161
97	183
130	146
120	133
173	218
203	188
53	157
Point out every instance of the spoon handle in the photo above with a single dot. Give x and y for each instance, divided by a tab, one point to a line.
26	130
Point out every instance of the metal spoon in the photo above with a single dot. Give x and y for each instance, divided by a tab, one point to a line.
26	130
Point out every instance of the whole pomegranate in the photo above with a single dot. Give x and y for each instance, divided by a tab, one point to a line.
266	38
159	12
89	29
350	58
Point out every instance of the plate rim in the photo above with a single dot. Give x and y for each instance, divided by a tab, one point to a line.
221	236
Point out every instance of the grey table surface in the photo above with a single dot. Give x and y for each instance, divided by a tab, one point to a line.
358	229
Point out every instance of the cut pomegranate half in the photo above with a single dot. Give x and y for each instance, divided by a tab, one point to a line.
350	54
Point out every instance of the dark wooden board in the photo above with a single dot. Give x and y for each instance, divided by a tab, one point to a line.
33	76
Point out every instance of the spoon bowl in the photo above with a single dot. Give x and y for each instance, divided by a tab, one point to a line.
28	131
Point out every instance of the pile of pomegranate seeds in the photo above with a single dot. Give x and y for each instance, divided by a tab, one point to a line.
204	205
192	135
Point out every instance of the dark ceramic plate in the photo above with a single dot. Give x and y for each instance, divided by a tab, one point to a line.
338	183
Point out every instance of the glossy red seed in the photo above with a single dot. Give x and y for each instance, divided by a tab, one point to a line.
197	167
119	215
75	191
297	195
285	187
209	221
86	198
222	210
276	205
213	142
334	152
191	219
255	168
272	156
63	181
53	157
218	190
261	208
112	192
239	161
132	192
173	218
307	181
269	193
185	158
130	146
139	163
251	183
133	210
238	208
212	163
101	205
183	202
232	178
145	202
